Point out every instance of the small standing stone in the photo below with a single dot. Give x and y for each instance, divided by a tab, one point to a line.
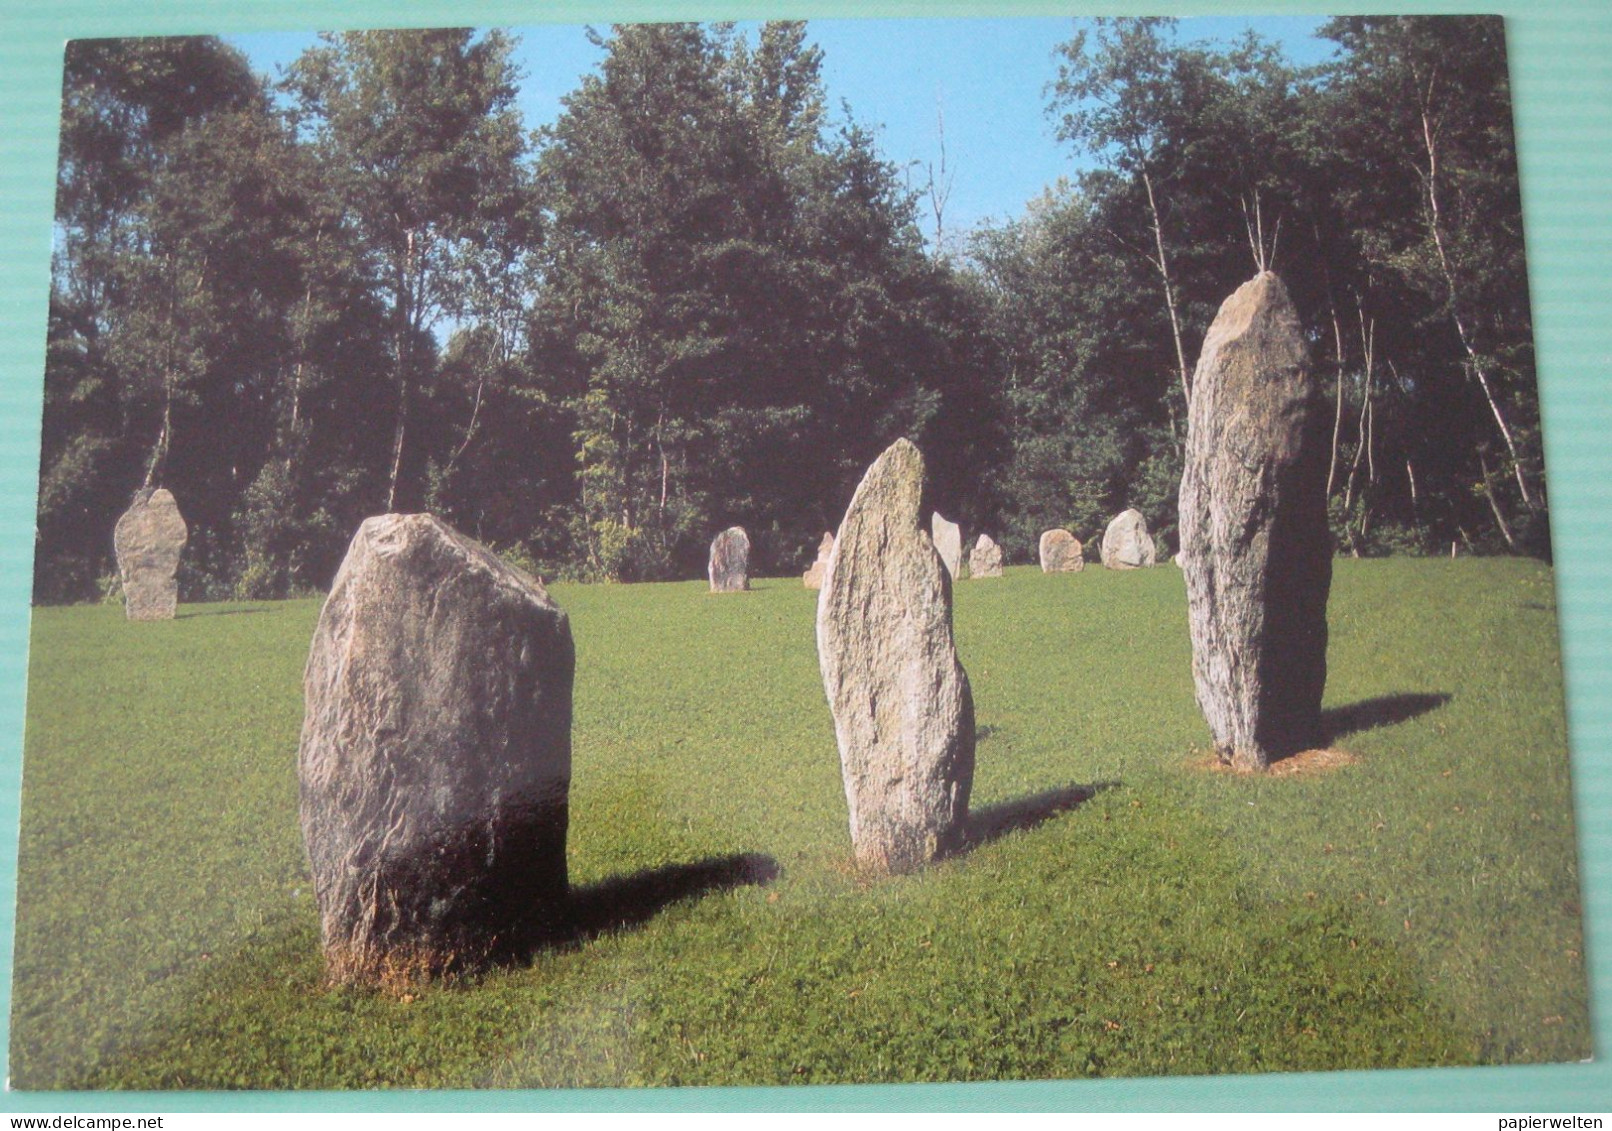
985	560
1061	552
1126	542
818	570
948	538
1255	548
148	540
435	762
903	712
729	568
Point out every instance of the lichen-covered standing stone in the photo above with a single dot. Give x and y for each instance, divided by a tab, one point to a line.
148	540
985	560
948	539
903	712
1126	542
435	765
1255	549
729	568
1061	552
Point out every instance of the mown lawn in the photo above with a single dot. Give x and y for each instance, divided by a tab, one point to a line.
1124	910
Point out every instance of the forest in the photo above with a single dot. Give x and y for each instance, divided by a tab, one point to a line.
702	296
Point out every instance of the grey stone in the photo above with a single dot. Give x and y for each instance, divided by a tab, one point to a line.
435	763
1255	549
729	568
985	560
903	711
818	570
1126	542
948	539
149	539
1061	552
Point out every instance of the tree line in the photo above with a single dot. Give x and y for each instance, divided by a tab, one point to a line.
702	297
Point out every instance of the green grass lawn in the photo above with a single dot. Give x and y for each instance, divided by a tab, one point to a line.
1124	910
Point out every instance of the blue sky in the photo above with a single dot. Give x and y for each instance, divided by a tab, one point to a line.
986	77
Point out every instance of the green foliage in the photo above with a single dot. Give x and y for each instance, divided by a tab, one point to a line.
736	313
699	297
1417	906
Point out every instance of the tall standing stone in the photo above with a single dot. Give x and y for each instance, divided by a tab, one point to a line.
729	568
818	570
1061	552
435	765
149	539
1255	549
903	712
985	560
1126	542
948	539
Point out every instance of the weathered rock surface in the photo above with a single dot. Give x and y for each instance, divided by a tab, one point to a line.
903	712
1255	549
818	570
1126	542
1061	552
985	559
948	539
729	568
148	540
435	764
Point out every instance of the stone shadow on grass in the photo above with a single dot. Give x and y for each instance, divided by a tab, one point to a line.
624	902
220	613
1383	711
992	822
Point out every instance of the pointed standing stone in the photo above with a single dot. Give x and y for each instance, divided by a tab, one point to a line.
1126	542
985	560
818	570
948	539
903	712
435	763
1255	548
1061	552
148	540
729	568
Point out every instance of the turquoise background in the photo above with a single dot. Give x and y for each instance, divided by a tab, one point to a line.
1561	61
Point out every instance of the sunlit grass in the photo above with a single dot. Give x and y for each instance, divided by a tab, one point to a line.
1124	912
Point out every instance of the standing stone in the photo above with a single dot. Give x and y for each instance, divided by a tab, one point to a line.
903	712
1061	552
730	561
985	560
436	755
148	540
818	570
1126	542
1255	549
948	539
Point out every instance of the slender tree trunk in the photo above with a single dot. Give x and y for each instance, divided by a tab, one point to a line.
1474	362
1337	414
404	349
1494	504
1163	264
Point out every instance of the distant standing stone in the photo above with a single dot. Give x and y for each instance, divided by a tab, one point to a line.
948	538
148	540
1126	542
818	570
1255	549
1061	553
985	560
435	765
730	561
903	712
